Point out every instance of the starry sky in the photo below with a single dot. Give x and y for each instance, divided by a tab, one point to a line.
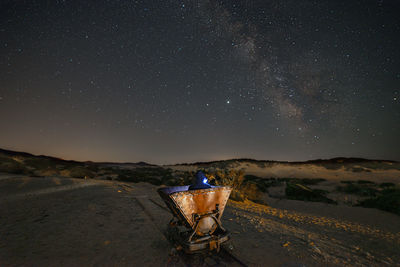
181	81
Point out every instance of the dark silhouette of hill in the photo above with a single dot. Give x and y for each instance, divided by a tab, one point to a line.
12	153
342	160
55	160
375	180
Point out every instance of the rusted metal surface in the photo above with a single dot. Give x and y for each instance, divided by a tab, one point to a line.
201	201
199	210
185	203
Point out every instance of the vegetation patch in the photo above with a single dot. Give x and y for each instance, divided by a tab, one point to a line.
300	192
303	181
365	182
40	164
310	181
387	200
385	185
347	182
12	166
262	183
81	172
357	169
358	189
152	175
332	166
381	165
243	187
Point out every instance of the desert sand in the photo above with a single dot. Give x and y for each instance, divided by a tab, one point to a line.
53	221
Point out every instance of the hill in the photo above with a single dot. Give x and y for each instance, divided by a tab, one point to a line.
347	181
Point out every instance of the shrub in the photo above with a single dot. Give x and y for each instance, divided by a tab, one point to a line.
358	169
231	178
92	167
365	182
301	192
81	172
262	184
383	185
152	175
347	182
251	191
357	189
388	200
40	164
14	167
251	188
332	166
310	181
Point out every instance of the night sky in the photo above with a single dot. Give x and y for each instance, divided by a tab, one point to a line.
181	81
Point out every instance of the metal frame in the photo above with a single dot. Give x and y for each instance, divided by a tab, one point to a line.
182	229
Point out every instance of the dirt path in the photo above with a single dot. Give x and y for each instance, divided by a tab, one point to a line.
71	222
77	225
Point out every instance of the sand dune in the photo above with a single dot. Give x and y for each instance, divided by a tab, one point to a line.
288	170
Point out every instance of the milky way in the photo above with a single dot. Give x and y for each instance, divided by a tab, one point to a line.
179	81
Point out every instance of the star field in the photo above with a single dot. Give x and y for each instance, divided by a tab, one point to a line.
181	81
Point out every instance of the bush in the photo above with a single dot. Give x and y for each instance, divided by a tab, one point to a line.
152	175
365	182
352	188
356	169
230	178
251	187
303	181
332	166
40	164
81	172
301	192
251	191
92	168
262	184
347	182
384	185
380	165
357	189
388	200
309	181
14	167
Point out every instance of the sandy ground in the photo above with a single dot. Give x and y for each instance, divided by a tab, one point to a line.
71	222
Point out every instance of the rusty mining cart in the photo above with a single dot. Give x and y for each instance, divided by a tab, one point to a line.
196	225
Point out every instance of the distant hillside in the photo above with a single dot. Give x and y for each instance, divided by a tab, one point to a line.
369	183
25	155
316	161
353	164
26	162
33	165
336	168
10	153
346	160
